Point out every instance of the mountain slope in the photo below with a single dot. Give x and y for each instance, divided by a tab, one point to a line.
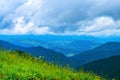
21	66
103	51
108	67
49	55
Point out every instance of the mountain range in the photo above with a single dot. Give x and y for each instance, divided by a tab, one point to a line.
103	51
91	50
67	45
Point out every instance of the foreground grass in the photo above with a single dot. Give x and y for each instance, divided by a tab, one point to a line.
21	66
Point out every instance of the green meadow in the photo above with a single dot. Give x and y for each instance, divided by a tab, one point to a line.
15	65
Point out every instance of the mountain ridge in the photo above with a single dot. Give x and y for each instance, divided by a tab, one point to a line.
108	67
99	52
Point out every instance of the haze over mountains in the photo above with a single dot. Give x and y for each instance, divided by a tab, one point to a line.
68	45
53	47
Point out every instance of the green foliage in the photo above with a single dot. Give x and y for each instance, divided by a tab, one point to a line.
15	65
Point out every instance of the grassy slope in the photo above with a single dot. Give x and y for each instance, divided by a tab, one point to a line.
16	66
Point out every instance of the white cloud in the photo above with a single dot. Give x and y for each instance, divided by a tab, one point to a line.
27	9
7	7
101	26
59	17
20	27
21	19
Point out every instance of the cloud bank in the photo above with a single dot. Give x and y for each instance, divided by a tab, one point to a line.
68	17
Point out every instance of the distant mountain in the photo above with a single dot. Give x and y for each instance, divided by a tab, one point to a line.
68	44
83	45
67	51
49	55
7	45
109	67
103	51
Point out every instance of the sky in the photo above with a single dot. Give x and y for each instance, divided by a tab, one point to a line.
63	17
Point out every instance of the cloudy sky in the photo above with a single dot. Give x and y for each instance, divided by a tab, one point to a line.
68	17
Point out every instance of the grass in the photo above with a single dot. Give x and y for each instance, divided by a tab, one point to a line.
22	66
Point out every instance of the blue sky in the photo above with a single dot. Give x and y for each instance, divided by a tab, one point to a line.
68	17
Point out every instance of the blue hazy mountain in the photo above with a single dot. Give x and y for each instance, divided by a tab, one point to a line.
6	45
50	55
67	44
103	51
108	67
